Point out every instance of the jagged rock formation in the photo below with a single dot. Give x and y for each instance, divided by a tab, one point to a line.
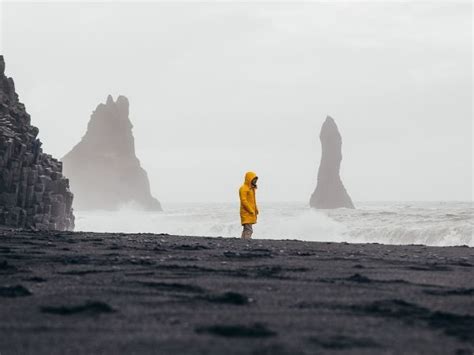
330	192
33	191
103	168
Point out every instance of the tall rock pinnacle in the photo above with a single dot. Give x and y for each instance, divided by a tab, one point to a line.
33	191
330	192
104	170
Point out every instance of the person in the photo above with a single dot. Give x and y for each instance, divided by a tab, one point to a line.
248	204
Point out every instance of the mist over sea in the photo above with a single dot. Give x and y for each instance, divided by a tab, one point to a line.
429	223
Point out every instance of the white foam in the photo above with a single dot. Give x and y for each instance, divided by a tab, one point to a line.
434	224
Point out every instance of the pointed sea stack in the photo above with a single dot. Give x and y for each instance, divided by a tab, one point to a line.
330	192
33	191
104	170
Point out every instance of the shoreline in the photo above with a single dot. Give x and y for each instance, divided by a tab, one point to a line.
392	223
82	293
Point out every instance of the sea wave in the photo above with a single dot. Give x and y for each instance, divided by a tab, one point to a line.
436	224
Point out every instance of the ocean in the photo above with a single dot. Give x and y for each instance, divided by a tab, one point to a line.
428	223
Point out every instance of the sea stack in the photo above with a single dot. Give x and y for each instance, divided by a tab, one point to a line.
330	192
104	171
34	194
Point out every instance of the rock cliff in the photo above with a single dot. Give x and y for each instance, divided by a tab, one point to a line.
33	191
330	192
103	168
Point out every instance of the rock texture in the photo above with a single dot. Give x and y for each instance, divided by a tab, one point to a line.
33	191
330	192
104	170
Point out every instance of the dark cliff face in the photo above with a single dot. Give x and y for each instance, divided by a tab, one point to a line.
104	170
33	191
330	192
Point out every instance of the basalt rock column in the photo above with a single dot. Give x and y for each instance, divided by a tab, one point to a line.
330	192
104	170
33	191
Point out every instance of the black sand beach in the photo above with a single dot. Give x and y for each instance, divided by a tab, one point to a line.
89	293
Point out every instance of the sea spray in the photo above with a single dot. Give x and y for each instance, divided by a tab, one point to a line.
437	224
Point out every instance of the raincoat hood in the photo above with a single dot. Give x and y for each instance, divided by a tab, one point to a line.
249	176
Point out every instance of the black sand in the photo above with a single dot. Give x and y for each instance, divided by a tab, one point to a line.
85	293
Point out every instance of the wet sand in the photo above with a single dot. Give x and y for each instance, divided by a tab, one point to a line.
89	293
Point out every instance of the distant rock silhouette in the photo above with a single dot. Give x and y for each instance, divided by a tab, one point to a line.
103	168
33	191
330	192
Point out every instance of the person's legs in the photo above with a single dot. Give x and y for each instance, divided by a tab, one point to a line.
247	231
250	231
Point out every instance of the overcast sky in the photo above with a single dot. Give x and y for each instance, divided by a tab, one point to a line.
216	89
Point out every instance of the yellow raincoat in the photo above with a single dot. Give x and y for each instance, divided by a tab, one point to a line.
248	202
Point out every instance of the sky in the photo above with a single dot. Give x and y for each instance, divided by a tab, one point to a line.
219	88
